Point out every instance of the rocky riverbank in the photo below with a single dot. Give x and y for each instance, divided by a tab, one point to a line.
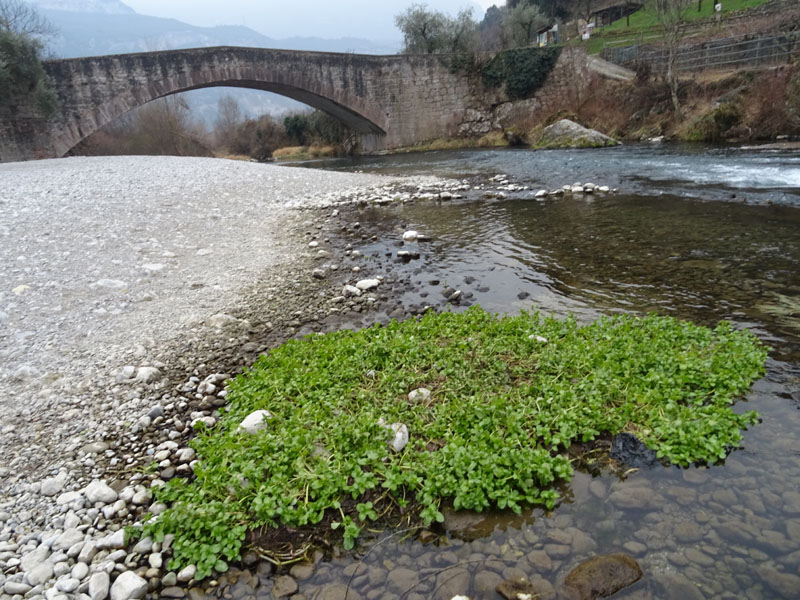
133	287
123	278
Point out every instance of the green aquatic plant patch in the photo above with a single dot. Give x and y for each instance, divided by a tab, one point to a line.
508	395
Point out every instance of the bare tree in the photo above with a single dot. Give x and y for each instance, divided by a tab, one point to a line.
671	16
229	117
21	18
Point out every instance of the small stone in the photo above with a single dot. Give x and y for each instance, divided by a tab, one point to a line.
148	374
128	586
112	541
80	571
283	586
99	491
187	573
419	395
39	574
601	576
53	485
172	592
400	439
12	588
367	284
255	421
99	585
410	236
68	585
350	291
515	589
68	538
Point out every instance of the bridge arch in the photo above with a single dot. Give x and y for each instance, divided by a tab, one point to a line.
120	83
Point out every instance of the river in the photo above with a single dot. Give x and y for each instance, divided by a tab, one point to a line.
699	233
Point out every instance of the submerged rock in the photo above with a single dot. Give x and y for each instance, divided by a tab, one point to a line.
568	134
601	576
629	450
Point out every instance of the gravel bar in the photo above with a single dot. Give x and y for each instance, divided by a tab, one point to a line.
103	259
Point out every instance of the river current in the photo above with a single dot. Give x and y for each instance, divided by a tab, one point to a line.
699	233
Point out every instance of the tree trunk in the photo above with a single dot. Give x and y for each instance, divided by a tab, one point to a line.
672	81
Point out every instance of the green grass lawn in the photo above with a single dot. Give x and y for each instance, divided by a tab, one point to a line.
507	397
645	19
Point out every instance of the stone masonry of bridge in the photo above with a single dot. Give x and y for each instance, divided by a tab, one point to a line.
388	101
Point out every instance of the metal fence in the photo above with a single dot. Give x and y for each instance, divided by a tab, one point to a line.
727	53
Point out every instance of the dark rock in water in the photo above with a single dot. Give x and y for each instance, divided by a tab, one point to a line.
628	449
601	576
523	295
512	589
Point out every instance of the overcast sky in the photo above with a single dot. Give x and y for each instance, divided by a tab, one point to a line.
367	19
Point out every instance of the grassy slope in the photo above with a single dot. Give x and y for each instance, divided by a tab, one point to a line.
643	21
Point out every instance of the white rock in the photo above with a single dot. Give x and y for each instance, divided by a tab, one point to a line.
68	584
538	338
53	485
128	586
350	290
419	395
144	546
313	244
187	573
80	571
68	538
367	284
153	267
576	189
112	284
88	552
148	374
541	194
40	574
112	541
155	560
255	421
34	558
99	491
99	585
603	188
400	439
69	498
410	236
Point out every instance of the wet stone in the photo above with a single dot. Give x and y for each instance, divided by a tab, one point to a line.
601	576
697	557
283	586
686	532
512	589
336	591
486	582
453	582
540	561
635	548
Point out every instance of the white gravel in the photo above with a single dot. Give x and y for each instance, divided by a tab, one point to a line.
102	259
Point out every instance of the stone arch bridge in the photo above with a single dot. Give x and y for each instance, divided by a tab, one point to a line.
388	101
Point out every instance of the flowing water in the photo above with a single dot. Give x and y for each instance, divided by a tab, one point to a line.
701	234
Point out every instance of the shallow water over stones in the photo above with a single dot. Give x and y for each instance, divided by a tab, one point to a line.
728	531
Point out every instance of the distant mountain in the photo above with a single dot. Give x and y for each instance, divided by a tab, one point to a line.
109	7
